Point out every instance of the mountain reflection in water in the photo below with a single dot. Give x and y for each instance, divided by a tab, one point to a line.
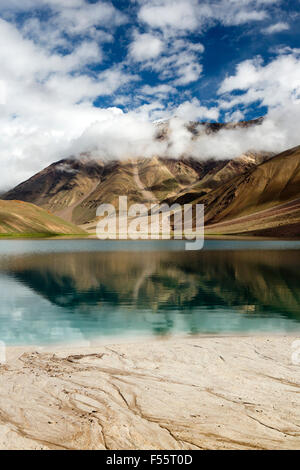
54	297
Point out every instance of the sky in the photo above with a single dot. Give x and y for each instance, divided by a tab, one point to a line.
88	75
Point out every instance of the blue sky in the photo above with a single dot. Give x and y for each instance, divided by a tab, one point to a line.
225	45
66	66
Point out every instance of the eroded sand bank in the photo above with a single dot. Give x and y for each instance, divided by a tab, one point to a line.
195	393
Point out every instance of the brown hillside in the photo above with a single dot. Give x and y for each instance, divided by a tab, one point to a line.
17	217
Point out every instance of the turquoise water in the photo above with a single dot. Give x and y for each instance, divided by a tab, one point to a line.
60	291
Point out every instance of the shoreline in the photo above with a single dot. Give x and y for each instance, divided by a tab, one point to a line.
94	237
138	338
204	392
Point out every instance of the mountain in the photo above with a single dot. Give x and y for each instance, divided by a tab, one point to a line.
17	217
255	194
219	173
263	201
74	188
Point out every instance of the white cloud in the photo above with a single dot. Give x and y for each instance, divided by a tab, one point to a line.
234	116
49	100
22	59
178	60
246	16
278	132
2	92
180	14
16	5
75	16
175	17
126	135
181	67
273	84
276	28
286	50
63	22
80	19
145	47
118	136
159	91
188	72
48	111
193	111
110	80
171	21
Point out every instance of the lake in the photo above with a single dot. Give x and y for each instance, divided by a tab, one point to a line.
75	291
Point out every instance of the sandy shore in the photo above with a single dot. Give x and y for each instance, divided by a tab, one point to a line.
195	393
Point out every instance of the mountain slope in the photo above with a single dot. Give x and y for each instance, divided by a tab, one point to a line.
17	217
59	186
282	220
218	173
240	196
262	199
74	188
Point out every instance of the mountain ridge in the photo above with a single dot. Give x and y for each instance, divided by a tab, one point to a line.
73	189
241	195
264	201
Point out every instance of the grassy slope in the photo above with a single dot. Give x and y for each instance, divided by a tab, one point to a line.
22	218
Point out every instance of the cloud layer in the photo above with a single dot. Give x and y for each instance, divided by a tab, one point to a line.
78	76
